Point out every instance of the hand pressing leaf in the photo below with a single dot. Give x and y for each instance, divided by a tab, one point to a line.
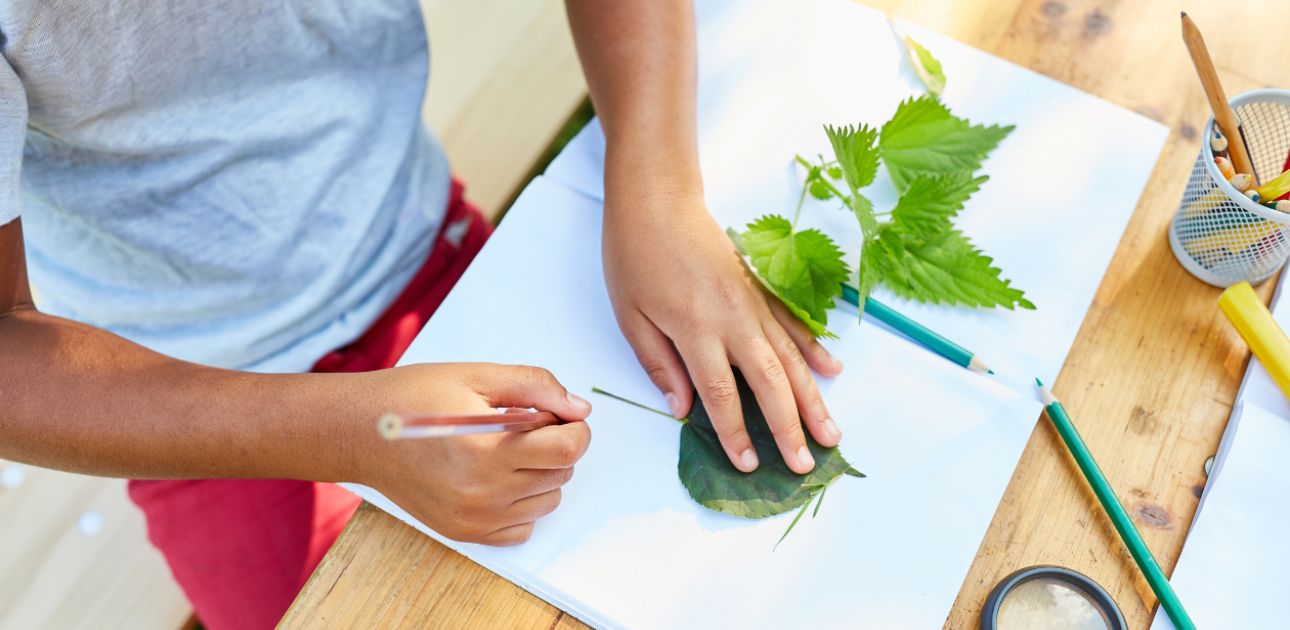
924	211
804	268
706	471
946	268
923	137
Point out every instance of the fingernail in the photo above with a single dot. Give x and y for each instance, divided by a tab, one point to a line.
837	365
674	403
804	457
832	428
578	402
749	459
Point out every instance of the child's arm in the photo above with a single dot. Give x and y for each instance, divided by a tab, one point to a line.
77	398
680	292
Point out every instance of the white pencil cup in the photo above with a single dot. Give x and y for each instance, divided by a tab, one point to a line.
1219	234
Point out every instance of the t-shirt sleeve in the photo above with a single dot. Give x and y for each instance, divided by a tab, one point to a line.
13	135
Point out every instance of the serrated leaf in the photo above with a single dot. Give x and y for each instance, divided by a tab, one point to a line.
820	191
924	211
835	173
863	209
856	153
805	268
927	67
871	270
923	137
712	481
946	269
817	329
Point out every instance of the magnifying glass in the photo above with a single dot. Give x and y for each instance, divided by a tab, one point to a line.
1050	598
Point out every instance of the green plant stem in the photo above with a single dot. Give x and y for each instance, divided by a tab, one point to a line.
833	189
800	201
795	520
632	402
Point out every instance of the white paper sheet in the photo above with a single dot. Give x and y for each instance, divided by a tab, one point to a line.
1257	388
1062	186
628	548
1234	571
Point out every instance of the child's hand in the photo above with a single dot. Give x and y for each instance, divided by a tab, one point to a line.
486	488
690	310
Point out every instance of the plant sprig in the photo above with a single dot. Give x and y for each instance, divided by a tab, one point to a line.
913	249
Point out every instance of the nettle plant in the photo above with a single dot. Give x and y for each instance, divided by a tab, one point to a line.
913	249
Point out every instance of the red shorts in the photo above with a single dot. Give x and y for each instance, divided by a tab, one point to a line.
243	548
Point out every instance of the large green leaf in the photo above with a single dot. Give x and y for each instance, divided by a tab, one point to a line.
772	489
924	211
776	248
947	269
923	137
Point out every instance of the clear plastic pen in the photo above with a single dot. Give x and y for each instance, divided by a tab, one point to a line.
403	426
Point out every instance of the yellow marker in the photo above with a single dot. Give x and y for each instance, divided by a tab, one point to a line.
1255	324
1277	187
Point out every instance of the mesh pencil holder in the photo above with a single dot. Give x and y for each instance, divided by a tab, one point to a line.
1219	234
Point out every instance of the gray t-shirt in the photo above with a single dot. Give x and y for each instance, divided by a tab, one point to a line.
237	183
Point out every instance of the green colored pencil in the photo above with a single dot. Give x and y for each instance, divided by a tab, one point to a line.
916	331
1128	533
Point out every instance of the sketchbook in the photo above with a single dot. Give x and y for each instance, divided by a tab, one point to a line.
629	548
1062	185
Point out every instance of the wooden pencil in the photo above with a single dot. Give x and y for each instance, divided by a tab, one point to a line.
1223	116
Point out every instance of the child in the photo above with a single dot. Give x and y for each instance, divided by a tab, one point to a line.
238	223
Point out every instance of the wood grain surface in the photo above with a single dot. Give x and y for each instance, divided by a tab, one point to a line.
1149	382
53	576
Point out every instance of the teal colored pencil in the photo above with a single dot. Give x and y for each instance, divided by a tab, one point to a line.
916	331
1128	533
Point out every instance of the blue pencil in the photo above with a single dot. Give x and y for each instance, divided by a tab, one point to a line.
916	331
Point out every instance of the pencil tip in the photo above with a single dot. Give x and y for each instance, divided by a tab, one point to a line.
1038	383
989	371
1184	14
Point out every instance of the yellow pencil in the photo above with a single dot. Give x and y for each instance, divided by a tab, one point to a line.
1255	324
1234	239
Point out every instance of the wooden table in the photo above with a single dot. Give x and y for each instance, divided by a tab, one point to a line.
1150	380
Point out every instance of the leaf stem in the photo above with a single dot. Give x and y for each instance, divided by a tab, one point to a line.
795	520
821	501
632	402
800	200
